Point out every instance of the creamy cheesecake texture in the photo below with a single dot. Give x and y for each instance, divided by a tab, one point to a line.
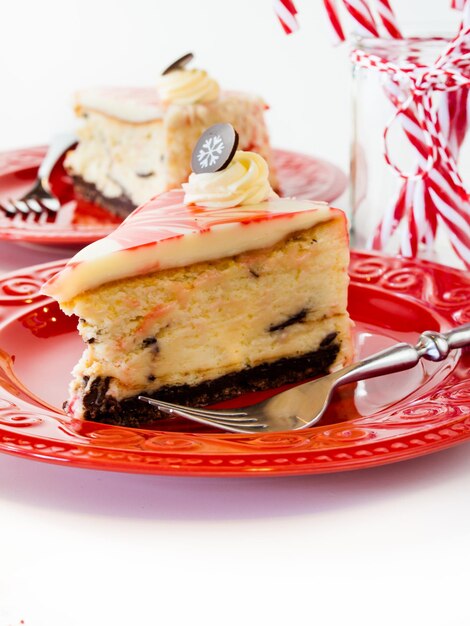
188	325
133	145
198	304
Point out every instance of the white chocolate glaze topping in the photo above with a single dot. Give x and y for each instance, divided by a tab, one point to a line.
165	233
135	105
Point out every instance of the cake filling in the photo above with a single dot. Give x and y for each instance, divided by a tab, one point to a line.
188	327
205	294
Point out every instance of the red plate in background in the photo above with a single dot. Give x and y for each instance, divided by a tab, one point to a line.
80	222
378	421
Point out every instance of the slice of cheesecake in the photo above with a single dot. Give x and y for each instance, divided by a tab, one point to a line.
197	304
137	143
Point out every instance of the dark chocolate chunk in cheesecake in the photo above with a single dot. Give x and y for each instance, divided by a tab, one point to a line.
297	318
152	343
149	341
145	174
328	339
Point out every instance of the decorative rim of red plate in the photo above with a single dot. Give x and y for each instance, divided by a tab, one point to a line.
421	424
300	175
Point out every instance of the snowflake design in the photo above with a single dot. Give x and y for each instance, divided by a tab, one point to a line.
211	151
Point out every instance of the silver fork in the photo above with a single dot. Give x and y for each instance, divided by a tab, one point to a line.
39	203
303	406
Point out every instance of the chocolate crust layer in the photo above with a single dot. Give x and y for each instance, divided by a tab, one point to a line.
121	205
100	407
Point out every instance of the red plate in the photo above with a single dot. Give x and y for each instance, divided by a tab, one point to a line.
378	421
81	222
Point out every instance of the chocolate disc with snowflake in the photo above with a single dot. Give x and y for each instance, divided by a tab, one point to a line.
179	63
215	149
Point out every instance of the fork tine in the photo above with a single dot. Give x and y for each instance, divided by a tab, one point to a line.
47	210
218	422
22	210
51	204
234	428
243	417
169	406
43	217
236	423
34	206
245	425
33	209
20	207
8	208
40	201
212	415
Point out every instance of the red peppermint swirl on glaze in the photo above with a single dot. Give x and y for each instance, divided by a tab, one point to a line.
166	233
148	224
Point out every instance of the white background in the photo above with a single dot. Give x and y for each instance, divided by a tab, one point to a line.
48	49
384	546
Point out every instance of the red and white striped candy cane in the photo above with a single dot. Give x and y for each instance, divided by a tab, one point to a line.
287	15
440	197
335	22
388	18
361	13
434	191
363	19
435	188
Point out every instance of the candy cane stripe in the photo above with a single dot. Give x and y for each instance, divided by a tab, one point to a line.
335	23
433	194
451	215
286	12
405	240
462	251
419	208
388	19
362	16
435	135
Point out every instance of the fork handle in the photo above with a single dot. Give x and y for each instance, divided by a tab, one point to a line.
433	346
59	144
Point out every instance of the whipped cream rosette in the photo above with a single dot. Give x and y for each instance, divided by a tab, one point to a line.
244	181
188	87
178	85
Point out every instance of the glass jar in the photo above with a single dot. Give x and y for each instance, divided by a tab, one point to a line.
376	186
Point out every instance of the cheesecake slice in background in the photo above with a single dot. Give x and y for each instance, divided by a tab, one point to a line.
137	143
